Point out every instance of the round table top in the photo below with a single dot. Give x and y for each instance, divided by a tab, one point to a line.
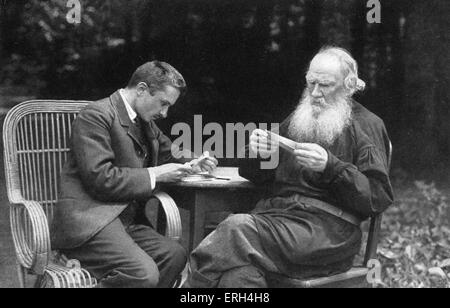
235	180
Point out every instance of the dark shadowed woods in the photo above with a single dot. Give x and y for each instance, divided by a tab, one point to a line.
243	60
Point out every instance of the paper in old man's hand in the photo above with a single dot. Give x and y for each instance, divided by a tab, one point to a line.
285	143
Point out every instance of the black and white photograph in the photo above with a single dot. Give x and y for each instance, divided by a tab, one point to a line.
225	144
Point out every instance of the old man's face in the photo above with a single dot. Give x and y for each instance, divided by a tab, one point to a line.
325	108
324	81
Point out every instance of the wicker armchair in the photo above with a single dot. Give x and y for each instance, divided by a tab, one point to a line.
35	137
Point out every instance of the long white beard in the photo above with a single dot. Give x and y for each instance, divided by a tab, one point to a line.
320	124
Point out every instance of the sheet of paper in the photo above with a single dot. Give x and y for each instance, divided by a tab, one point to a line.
195	178
204	176
284	142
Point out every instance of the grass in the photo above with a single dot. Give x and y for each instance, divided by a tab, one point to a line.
415	244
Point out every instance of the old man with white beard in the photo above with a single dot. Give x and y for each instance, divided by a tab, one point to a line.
308	225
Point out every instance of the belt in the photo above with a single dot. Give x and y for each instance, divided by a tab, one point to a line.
330	209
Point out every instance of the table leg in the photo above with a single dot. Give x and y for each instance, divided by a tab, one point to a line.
201	202
197	216
216	201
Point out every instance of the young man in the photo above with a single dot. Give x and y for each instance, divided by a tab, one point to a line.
118	156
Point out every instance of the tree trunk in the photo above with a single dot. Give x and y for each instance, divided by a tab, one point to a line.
358	30
426	78
2	29
313	17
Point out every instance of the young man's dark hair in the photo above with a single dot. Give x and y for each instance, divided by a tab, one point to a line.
158	75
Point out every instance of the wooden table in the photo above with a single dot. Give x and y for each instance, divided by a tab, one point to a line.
209	202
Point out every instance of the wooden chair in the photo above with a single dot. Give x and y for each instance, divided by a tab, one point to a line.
35	137
356	277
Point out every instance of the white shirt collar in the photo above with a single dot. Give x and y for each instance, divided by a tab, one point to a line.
131	113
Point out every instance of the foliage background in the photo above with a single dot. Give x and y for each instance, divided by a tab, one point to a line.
244	60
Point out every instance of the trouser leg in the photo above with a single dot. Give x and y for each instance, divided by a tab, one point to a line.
233	248
116	260
168	254
247	276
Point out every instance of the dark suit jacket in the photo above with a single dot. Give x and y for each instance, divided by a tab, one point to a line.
105	170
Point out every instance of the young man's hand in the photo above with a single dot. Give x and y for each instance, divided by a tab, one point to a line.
204	163
171	172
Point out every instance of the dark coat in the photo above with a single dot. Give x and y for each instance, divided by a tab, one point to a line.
302	240
105	171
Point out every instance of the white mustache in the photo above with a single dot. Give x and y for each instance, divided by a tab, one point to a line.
319	121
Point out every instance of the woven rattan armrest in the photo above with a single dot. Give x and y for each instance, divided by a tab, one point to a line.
30	234
174	228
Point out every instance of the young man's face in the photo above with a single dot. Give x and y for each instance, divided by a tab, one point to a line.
154	106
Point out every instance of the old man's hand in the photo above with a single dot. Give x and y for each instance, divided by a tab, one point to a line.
311	156
260	143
